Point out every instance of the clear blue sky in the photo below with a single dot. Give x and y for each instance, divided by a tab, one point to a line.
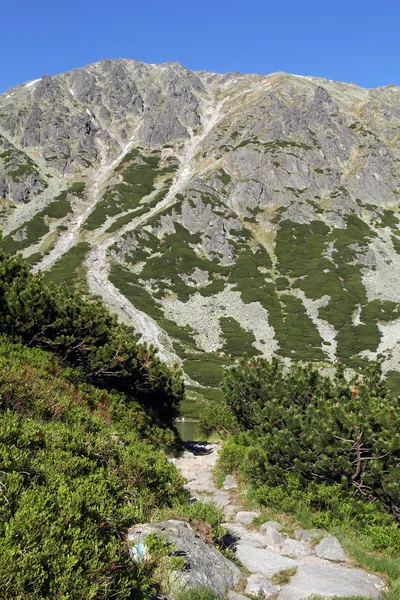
347	40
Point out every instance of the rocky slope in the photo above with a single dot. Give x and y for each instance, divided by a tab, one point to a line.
218	214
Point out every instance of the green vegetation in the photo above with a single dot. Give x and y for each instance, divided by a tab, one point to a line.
198	593
86	336
334	442
206	368
238	341
68	268
316	451
79	465
139	173
38	227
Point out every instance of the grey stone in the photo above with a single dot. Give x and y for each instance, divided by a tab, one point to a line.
257	585
235	596
230	483
331	549
330	581
295	549
205	565
272	536
269	524
263	561
247	516
238	534
309	535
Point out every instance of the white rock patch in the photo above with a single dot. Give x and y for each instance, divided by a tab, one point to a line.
202	314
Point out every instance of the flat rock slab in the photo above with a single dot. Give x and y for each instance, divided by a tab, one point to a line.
238	534
257	585
247	516
205	565
330	581
265	562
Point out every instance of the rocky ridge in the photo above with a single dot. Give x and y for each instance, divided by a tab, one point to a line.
218	214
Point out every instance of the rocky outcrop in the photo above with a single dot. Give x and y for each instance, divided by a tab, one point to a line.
204	565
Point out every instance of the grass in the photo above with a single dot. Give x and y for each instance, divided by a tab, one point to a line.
283	577
200	592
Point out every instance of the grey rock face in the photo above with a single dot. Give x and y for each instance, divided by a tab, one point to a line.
251	155
257	585
204	564
331	581
263	561
331	549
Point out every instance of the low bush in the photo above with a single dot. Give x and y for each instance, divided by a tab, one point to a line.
79	465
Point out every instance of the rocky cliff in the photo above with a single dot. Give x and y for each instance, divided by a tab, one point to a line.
218	214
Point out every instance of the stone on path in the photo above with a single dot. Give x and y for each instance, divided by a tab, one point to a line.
232	510
258	586
330	581
309	535
238	534
230	483
272	536
266	562
331	549
205	565
219	498
295	549
269	524
235	596
247	516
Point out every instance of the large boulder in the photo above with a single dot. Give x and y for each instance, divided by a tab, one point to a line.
204	564
331	549
330	581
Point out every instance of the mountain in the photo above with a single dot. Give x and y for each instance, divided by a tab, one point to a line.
217	214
